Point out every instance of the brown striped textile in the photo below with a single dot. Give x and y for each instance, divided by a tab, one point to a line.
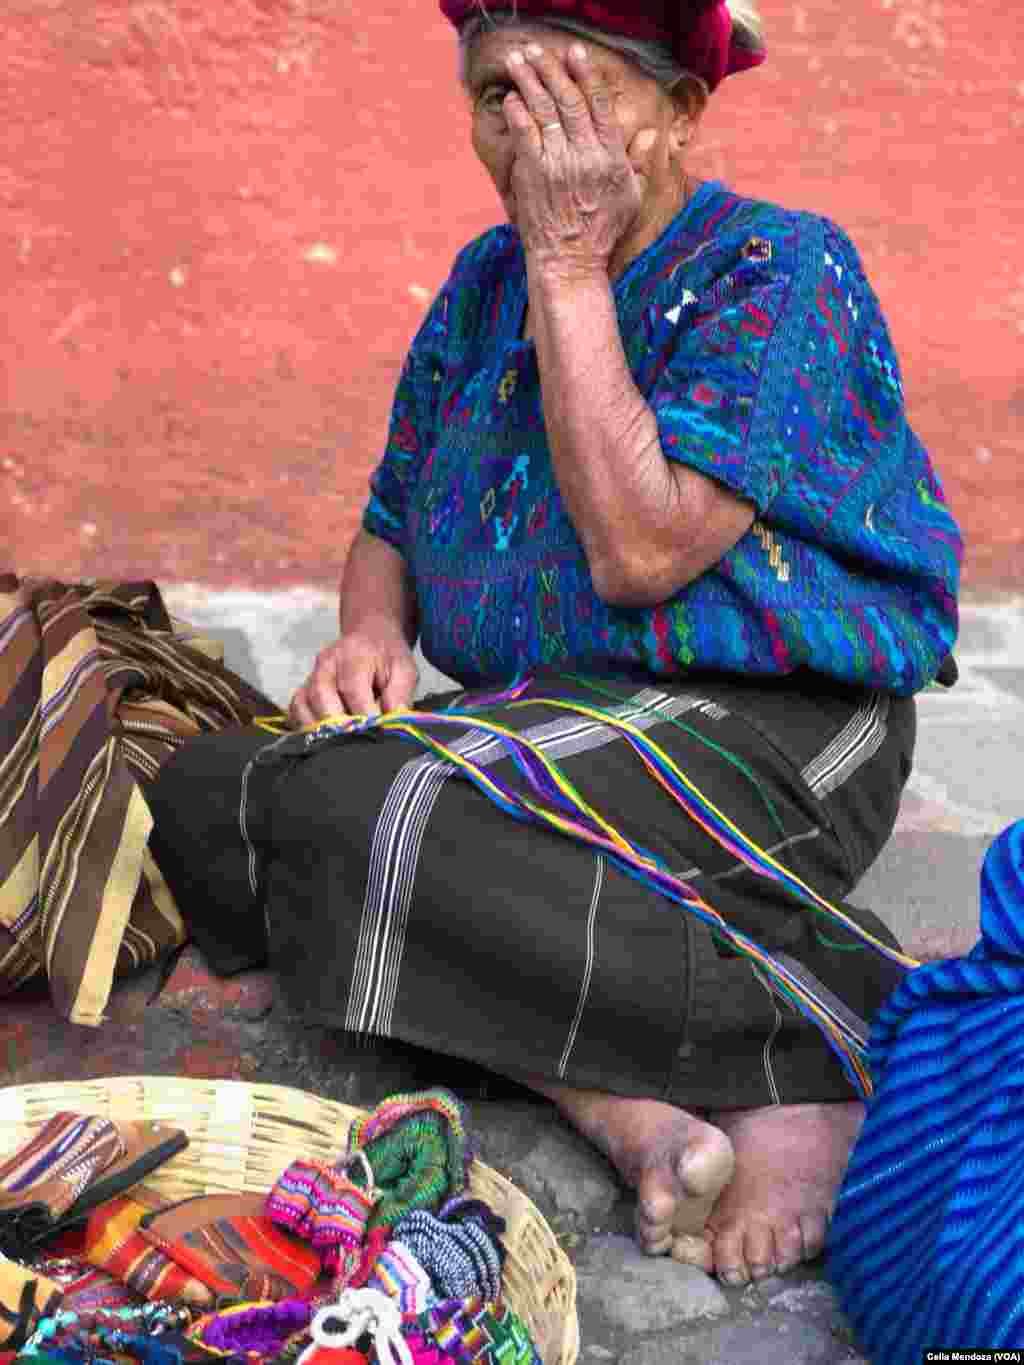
97	689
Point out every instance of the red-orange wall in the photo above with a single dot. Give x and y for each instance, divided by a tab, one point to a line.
221	220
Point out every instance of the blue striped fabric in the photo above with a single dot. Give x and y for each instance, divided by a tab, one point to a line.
927	1244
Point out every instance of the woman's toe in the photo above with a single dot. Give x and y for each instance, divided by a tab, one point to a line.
813	1234
654	1235
730	1257
759	1251
691	1249
789	1244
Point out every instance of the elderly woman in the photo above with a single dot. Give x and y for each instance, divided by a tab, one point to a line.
649	447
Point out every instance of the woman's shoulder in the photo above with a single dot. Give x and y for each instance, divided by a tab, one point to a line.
734	228
490	255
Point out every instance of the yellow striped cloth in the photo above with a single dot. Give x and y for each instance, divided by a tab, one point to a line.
97	689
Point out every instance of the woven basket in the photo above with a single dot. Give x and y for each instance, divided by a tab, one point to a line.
241	1137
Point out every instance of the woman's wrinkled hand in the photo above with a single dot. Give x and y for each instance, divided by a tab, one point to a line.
367	671
577	193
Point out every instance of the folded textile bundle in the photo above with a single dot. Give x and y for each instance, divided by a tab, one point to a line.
98	690
199	1250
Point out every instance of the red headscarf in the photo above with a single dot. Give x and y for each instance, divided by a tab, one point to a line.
699	32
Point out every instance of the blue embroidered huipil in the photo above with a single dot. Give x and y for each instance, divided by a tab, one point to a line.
758	343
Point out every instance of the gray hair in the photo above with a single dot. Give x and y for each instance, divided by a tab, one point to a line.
654	59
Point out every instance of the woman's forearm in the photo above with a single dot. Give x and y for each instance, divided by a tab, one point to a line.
376	587
647	524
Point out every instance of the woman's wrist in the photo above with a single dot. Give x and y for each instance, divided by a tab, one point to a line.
558	276
357	619
377	592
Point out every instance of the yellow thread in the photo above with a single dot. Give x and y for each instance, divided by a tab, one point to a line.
773	550
403	722
617	723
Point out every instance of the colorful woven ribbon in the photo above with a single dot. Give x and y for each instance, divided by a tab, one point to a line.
469	1330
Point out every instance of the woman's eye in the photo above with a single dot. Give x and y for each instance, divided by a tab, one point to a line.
493	98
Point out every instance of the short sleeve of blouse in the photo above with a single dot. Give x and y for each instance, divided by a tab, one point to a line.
412	427
754	370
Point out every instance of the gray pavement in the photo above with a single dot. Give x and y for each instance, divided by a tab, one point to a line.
966	787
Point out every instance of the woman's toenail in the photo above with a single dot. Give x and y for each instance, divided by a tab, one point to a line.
733	1276
762	1272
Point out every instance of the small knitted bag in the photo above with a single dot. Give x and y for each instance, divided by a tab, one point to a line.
419	1149
325	1207
251	1330
460	1255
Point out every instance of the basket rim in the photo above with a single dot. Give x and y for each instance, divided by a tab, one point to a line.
50	1096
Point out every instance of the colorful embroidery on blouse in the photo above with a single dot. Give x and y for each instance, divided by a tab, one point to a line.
761	348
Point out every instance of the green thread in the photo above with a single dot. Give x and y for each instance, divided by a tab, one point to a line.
703	739
839	947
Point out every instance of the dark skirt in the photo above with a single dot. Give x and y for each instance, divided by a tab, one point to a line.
393	898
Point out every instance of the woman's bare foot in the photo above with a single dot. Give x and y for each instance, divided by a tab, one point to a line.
746	1195
790	1161
678	1164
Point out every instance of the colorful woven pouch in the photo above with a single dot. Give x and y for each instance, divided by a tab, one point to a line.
43	1178
70	1166
147	1145
325	1207
228	1243
113	1243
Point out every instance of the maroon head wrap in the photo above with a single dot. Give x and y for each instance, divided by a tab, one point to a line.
699	32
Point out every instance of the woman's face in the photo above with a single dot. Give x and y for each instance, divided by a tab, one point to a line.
639	103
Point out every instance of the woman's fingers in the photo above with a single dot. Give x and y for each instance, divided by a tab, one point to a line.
356	676
323	688
570	93
356	686
529	103
300	713
400	687
522	122
567	100
587	79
